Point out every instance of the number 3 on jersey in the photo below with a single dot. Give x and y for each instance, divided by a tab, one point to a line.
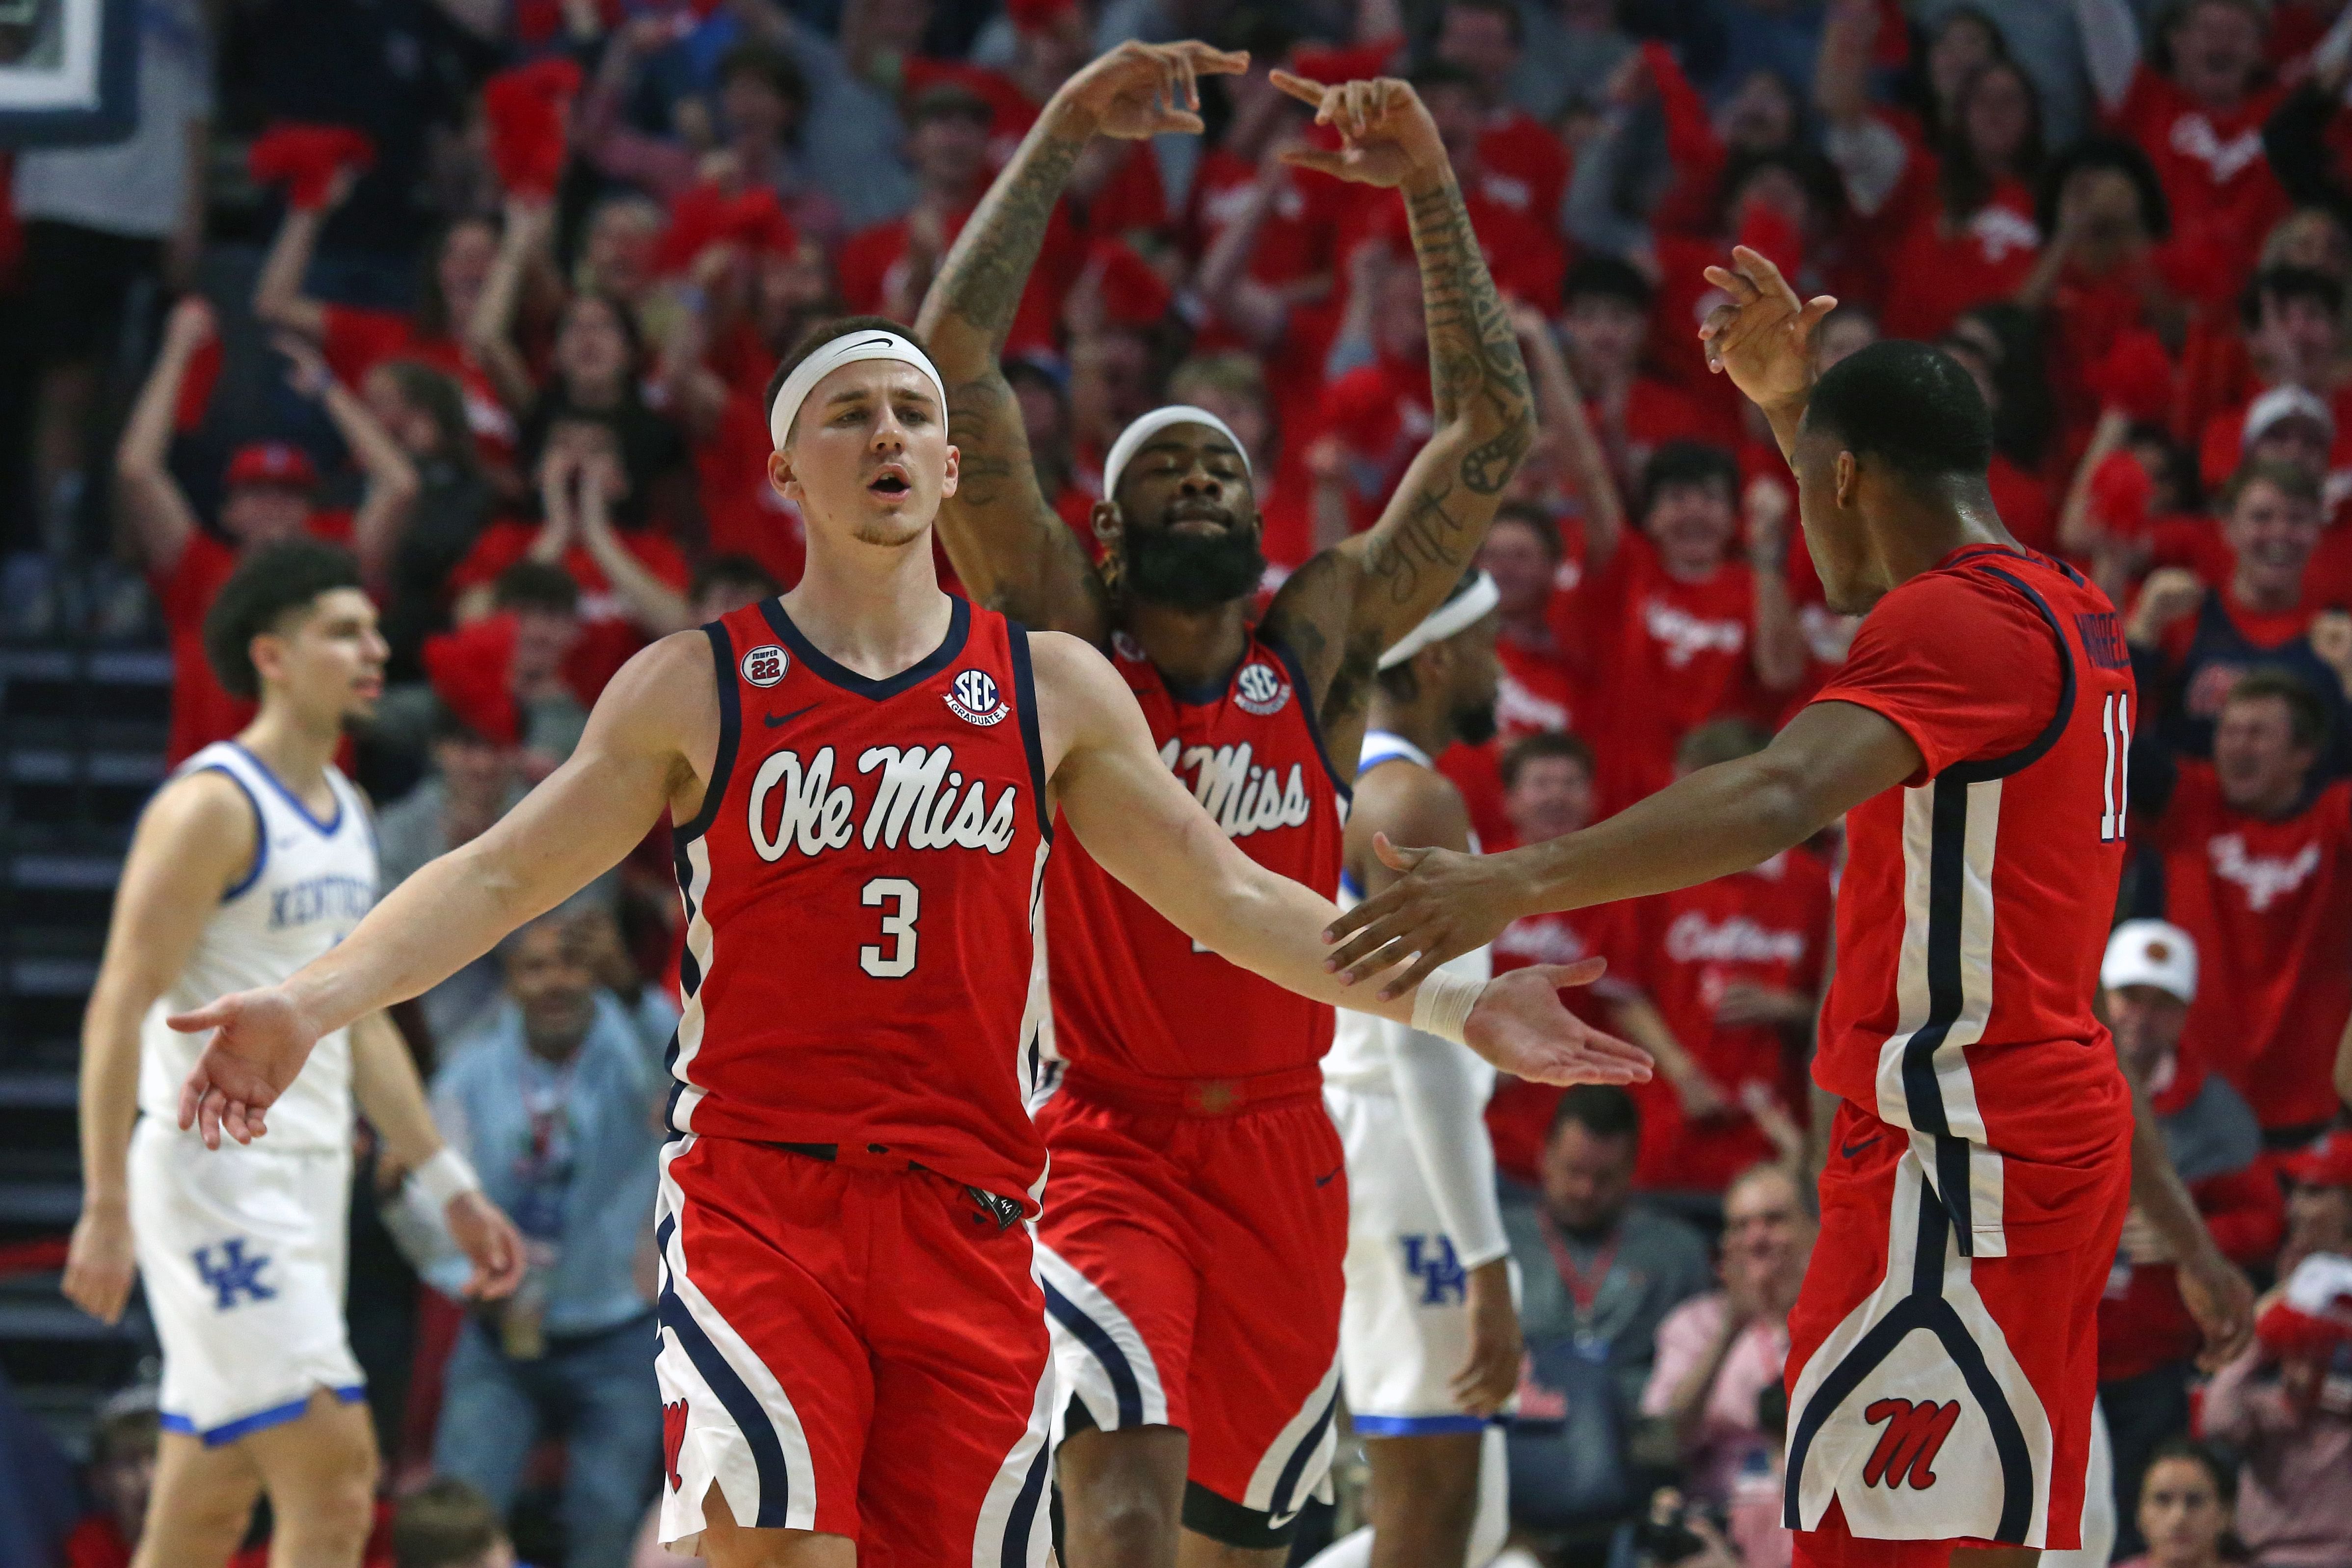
904	901
2114	778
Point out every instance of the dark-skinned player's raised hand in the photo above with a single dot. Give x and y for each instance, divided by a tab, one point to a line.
1385	134
1763	337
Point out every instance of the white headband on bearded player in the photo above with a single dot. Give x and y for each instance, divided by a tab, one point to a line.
845	350
1130	440
1456	615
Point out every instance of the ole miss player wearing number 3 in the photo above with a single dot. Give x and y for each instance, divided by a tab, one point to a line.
864	775
1942	1356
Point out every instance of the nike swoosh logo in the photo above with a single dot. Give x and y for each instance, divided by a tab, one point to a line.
778	721
1850	1150
1326	1180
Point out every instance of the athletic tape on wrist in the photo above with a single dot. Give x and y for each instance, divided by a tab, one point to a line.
443	1177
1441	1004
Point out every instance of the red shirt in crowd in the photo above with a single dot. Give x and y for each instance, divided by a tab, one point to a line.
1523	166
202	709
1518	1116
1380	413
1534	691
1767	926
1674	654
2217	180
357	341
608	635
1937	268
2269	904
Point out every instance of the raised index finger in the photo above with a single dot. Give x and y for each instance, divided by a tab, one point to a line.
1757	268
1210	60
1305	90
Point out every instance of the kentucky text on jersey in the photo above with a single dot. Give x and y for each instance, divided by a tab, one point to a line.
343	898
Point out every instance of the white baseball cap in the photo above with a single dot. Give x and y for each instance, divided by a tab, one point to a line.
2151	952
2284	403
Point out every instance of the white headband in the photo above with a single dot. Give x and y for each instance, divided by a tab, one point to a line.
1456	614
1132	438
846	350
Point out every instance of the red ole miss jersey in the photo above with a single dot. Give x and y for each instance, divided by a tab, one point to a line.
1977	895
1134	998
2269	904
859	885
1767	927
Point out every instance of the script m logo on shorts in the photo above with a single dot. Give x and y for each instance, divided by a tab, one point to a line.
1433	1260
673	1440
1915	1430
235	1275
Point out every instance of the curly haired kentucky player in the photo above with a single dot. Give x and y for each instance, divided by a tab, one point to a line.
864	775
1942	1357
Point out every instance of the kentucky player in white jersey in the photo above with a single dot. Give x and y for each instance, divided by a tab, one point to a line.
256	857
1429	1337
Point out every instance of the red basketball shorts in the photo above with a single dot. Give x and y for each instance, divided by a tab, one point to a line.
1938	1398
851	1350
1191	1251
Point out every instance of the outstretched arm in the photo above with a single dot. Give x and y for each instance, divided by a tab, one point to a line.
2216	1295
1147	831
161	521
278	297
392	479
1005	542
654	733
1341	611
1831	757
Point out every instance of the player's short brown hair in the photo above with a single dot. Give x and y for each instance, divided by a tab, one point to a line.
273	583
445	1523
2296	484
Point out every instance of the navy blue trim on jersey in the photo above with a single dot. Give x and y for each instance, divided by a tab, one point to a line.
1024	707
731	737
324	829
1104	1349
743	1406
835	673
1307	710
2033	751
1922	1096
1205	696
1924	1308
1021	1523
260	831
1282	1502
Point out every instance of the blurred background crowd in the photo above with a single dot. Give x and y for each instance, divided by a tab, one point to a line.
488	290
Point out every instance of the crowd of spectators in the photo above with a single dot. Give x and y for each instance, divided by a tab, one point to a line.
488	291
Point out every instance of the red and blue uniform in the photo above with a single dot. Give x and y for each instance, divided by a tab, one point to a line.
1943	1353
852	1338
1197	1217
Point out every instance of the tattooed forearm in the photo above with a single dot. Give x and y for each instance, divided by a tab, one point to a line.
1473	353
1488	467
989	265
1427	538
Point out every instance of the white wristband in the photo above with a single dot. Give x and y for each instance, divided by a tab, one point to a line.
1441	1004
443	1177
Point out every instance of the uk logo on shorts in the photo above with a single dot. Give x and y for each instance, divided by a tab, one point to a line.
765	665
1915	1430
1260	689
973	697
1433	1260
233	1274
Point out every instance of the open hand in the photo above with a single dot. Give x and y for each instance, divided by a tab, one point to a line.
261	1040
1763	338
1139	91
1520	1026
306	367
1385	134
489	1239
1446	904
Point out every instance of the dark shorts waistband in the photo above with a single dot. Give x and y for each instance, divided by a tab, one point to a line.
1195	1096
1005	1210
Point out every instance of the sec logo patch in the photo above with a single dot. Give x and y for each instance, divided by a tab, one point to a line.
1260	689
972	696
765	665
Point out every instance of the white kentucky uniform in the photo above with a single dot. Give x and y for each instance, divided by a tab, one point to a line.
241	1248
1421	1211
